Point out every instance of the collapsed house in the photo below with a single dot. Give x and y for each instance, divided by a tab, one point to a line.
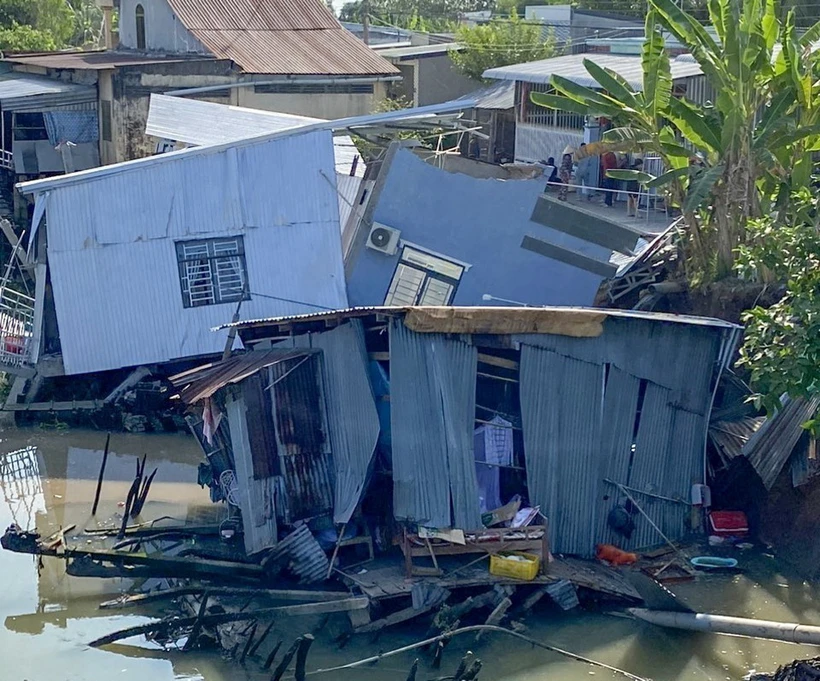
432	417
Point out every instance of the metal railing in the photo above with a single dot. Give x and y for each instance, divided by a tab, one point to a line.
16	327
645	203
6	159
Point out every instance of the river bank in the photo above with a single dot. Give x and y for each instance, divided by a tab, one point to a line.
48	617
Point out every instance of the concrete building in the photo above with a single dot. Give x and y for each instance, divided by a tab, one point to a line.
541	133
428	75
292	56
472	233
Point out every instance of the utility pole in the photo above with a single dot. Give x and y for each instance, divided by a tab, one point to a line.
366	21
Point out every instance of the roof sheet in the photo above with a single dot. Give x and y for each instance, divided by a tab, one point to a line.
202	123
96	60
571	66
277	37
204	381
499	96
252	15
19	89
570	321
431	113
326	51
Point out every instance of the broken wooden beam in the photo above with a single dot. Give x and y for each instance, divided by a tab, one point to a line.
275	594
101	475
396	618
226	617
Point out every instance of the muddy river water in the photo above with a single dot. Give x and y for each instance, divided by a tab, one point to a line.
47	480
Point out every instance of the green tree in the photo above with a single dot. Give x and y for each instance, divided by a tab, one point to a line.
757	137
499	43
28	25
782	343
436	15
24	38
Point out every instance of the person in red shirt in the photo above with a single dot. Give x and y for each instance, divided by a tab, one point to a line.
608	162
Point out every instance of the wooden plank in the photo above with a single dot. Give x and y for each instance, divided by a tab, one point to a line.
396	618
275	594
501	362
75	405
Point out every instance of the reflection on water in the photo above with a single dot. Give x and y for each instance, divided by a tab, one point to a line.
47	481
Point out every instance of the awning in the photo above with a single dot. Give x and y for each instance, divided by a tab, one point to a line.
24	92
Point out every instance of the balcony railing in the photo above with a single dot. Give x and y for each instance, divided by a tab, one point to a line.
6	159
16	327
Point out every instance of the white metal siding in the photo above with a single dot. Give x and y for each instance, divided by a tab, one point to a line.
113	258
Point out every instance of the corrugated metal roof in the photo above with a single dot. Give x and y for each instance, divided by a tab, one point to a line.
277	37
96	60
729	437
22	90
204	381
253	15
206	123
571	66
498	96
431	113
770	447
501	320
324	51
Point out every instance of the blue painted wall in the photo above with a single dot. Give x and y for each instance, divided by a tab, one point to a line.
481	223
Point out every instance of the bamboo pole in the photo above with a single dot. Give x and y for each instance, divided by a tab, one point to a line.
101	475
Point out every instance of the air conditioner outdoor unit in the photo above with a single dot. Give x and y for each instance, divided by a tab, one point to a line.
383	239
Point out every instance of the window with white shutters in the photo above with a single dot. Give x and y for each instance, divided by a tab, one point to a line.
423	279
212	271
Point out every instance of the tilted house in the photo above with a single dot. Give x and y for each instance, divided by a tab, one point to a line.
136	262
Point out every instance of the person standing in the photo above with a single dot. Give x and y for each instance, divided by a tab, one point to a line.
565	175
583	173
608	162
632	191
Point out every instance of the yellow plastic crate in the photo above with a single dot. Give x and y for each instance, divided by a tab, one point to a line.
501	565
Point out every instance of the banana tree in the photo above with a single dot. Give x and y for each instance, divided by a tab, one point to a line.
756	138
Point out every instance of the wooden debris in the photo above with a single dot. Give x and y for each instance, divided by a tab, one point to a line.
397	617
101	475
272	656
473	629
262	638
301	656
282	667
414	668
248	643
496	616
275	594
194	635
179	623
533	598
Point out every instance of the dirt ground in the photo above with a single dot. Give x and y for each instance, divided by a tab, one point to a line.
789	524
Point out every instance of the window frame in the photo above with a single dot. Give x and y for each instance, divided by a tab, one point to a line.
212	256
428	275
139	18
